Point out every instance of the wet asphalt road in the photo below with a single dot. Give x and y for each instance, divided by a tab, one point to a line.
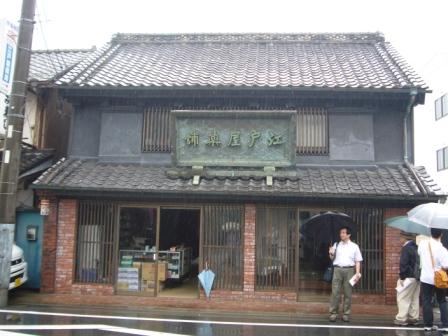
152	322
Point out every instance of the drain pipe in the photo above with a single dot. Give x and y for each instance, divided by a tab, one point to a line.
409	109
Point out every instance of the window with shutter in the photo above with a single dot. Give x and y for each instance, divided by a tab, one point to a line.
156	130
312	131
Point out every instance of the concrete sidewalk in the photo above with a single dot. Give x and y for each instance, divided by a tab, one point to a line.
46	320
196	307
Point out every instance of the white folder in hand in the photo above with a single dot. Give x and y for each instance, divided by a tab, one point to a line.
354	280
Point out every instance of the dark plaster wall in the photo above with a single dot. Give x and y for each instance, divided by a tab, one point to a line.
357	136
351	137
85	133
121	134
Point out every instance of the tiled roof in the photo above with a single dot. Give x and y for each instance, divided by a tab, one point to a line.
363	60
50	64
395	181
31	157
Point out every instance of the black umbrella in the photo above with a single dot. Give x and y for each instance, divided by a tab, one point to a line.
325	227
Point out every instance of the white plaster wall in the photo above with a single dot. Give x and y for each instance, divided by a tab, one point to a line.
29	123
431	135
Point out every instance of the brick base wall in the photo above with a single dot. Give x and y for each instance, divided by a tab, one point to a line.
392	249
65	253
249	249
58	260
92	289
49	246
284	296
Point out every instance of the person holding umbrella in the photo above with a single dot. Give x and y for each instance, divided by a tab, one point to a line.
346	258
433	257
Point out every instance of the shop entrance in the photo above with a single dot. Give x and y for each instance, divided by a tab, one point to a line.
138	269
179	251
158	251
313	260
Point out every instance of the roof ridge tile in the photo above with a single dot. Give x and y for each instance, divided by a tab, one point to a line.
247	37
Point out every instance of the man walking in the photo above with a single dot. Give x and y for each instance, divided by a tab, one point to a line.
408	286
433	257
347	259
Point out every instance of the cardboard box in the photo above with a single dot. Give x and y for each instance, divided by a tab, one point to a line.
148	283
162	271
147	266
147	290
147	286
122	286
148	271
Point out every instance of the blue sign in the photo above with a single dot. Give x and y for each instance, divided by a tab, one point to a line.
7	67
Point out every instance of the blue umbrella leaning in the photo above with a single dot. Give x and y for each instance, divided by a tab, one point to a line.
403	223
206	278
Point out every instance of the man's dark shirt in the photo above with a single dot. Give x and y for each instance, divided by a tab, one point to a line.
408	260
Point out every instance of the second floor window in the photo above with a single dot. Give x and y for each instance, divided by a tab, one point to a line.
441	106
156	130
442	159
312	131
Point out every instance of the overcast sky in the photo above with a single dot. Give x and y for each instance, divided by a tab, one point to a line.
418	29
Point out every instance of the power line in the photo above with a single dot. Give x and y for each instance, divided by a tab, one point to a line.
45	40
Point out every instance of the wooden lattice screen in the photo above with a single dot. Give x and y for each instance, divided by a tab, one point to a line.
96	242
312	131
370	238
276	248
156	130
222	244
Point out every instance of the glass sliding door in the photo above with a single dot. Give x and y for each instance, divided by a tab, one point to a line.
138	269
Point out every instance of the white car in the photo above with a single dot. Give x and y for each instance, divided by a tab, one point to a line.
19	271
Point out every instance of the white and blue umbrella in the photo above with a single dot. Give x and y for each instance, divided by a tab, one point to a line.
404	224
206	278
431	215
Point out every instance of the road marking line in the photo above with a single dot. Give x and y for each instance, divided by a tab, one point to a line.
257	324
102	327
141	332
51	326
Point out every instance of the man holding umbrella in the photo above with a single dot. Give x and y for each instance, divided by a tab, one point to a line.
346	258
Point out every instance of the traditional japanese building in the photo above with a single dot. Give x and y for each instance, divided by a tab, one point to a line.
213	150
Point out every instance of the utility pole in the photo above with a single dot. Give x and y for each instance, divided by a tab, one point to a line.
12	145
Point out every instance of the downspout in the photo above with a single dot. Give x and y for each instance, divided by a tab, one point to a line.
409	109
